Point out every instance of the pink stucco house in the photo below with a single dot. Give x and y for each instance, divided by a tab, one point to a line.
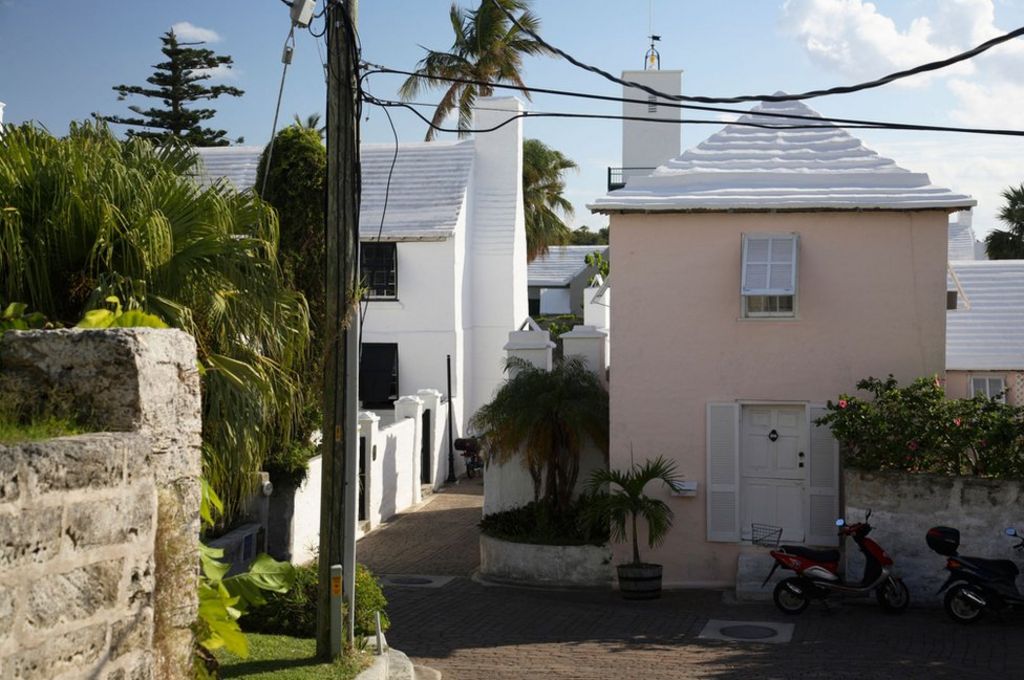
758	275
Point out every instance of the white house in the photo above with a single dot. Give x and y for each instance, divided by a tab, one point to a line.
557	279
445	268
984	320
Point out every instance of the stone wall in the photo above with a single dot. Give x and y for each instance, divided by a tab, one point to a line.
99	532
904	506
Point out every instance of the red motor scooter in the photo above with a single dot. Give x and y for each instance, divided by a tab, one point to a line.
817	573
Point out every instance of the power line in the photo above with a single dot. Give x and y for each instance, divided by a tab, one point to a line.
851	123
286	59
844	89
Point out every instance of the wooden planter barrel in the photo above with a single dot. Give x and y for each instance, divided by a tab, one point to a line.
640	581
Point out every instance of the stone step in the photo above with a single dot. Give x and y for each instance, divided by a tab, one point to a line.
425	673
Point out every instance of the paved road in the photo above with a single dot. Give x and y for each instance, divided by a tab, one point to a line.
470	631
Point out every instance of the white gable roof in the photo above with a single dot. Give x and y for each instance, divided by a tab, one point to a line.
427	192
986	332
750	168
560	265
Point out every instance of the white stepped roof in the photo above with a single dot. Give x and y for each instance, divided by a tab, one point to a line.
962	244
426	196
560	265
986	332
752	168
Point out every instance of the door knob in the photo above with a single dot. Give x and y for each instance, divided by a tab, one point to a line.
801	454
801	464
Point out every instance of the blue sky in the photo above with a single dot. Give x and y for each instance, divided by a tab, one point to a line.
59	60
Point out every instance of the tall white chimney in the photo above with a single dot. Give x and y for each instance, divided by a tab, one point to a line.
648	145
2	105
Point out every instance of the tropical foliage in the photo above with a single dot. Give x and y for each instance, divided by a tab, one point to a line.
917	429
582	236
620	500
539	523
543	185
488	48
177	83
88	217
224	599
545	418
1009	244
295	187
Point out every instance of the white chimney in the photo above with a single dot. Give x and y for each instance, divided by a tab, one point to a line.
2	105
648	145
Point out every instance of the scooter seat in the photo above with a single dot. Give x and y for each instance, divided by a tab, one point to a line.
811	554
1004	568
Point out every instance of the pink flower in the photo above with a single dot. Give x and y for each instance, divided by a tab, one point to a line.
912	445
842	403
957	422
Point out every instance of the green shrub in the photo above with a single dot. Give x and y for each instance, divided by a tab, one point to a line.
294	613
917	429
540	523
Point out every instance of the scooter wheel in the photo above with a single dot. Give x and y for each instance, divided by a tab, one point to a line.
961	608
789	601
469	472
893	596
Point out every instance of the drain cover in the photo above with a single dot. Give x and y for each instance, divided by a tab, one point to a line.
410	580
748	632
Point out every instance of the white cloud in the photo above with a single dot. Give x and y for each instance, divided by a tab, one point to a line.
996	105
221	72
188	32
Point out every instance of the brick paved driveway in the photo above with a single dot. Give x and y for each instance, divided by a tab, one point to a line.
469	631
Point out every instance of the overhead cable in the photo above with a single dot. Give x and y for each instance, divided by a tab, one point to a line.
843	89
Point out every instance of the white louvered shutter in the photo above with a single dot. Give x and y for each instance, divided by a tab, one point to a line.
823	482
723	472
769	265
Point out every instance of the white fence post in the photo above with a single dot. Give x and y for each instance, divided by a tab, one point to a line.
589	343
432	402
531	343
369	423
412	407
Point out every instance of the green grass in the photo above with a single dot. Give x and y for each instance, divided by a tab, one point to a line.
11	431
279	657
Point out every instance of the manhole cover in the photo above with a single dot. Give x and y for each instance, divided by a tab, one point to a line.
747	632
410	581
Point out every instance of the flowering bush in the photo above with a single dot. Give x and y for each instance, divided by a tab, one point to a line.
917	429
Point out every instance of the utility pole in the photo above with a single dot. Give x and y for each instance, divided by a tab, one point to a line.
341	365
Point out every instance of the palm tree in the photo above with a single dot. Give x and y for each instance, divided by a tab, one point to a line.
488	48
543	186
312	122
624	505
1009	244
87	217
546	417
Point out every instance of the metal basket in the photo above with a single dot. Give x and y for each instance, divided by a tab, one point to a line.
765	535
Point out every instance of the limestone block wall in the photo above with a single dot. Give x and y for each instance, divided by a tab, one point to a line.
99	532
904	506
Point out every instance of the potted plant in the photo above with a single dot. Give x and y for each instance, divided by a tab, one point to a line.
619	499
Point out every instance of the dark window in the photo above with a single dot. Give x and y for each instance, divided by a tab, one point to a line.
534	307
378	264
950	299
378	375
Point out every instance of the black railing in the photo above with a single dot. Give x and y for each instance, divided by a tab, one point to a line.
617	176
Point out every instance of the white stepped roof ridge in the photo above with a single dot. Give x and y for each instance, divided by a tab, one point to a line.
560	265
986	331
753	168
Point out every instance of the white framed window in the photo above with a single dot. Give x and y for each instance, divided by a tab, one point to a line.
989	387
769	275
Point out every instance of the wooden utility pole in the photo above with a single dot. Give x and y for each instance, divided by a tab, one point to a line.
341	365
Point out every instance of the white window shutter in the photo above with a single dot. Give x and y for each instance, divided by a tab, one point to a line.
769	265
723	503
823	482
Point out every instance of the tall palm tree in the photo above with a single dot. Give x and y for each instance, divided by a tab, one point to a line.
87	216
487	48
543	186
312	122
546	417
1009	244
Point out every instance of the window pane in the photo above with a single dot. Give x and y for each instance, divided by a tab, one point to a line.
755	304
782	250
785	303
378	265
757	276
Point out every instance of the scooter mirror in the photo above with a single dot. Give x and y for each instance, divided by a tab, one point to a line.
1010	531
840	522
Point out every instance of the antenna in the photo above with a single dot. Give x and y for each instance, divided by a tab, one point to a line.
652	59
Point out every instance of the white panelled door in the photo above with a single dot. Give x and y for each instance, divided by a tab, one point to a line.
773	469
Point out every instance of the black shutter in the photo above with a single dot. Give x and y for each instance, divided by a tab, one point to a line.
378	375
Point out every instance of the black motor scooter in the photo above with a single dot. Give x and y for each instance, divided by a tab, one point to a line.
975	584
